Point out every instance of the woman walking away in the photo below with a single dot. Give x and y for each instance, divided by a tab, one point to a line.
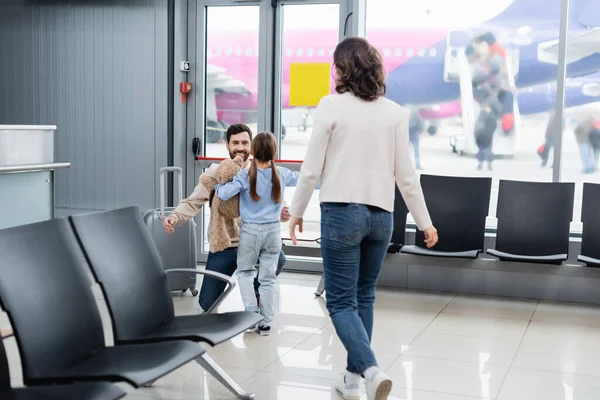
261	191
364	138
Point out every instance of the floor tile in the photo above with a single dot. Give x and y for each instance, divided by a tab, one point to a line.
559	358
270	385
478	326
492	307
412	300
463	348
560	333
567	314
479	380
532	385
319	361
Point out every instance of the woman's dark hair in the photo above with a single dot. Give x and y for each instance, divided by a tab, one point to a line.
264	149
359	68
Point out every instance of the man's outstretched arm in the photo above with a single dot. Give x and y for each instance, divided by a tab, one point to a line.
191	206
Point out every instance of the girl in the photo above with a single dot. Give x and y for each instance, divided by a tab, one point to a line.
261	192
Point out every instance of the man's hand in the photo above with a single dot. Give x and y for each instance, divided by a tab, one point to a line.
285	214
293	223
169	224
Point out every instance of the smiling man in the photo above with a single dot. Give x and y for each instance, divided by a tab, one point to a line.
239	137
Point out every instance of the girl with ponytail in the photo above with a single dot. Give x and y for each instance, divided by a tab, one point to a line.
261	189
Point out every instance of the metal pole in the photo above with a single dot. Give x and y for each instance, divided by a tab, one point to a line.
558	125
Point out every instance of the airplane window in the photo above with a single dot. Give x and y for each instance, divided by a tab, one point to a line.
409	52
228	52
290	52
421	52
248	52
218	52
331	51
321	52
300	52
398	52
310	52
387	52
238	52
432	52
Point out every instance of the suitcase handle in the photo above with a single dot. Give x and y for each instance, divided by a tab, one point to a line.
179	172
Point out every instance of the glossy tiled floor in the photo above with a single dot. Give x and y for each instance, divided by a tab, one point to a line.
434	346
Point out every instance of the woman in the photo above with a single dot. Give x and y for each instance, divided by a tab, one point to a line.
364	138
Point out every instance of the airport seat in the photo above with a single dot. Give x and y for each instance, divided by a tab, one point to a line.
45	290
125	262
458	207
533	222
400	216
83	391
590	218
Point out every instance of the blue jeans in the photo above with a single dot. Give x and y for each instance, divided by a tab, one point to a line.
354	242
262	243
588	157
224	262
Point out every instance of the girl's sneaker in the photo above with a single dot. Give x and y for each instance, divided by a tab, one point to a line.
264	330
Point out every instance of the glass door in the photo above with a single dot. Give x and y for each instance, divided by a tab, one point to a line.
248	63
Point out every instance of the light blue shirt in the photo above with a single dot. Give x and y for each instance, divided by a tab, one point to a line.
265	210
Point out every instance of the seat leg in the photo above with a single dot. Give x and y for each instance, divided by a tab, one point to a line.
321	287
219	374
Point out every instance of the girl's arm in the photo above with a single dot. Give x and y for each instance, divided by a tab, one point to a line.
230	189
290	178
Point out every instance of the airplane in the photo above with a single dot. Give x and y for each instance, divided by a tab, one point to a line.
421	62
534	99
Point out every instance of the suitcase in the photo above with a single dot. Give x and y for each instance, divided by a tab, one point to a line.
178	249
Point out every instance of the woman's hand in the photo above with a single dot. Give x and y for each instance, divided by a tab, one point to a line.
431	236
293	223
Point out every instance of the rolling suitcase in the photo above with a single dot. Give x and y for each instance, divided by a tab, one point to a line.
178	249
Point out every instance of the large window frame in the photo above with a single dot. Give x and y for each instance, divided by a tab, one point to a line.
352	21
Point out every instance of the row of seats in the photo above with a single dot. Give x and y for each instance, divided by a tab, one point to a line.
533	220
45	290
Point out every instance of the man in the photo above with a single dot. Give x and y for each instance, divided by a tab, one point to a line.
239	137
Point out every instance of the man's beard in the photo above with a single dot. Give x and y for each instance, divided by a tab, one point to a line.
242	154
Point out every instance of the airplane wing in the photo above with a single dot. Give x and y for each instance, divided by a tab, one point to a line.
580	45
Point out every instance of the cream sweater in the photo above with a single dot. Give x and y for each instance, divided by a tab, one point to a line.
360	150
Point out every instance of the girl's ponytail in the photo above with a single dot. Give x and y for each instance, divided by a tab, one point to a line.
252	175
276	189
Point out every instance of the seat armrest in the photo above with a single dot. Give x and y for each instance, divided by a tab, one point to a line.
231	283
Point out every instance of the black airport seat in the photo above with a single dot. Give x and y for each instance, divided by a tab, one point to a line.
458	207
400	215
590	218
45	290
125	262
533	221
83	391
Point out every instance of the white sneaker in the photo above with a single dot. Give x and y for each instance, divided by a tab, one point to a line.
349	391
379	388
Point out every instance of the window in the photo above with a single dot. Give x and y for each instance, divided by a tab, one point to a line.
305	28
450	98
580	147
232	77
